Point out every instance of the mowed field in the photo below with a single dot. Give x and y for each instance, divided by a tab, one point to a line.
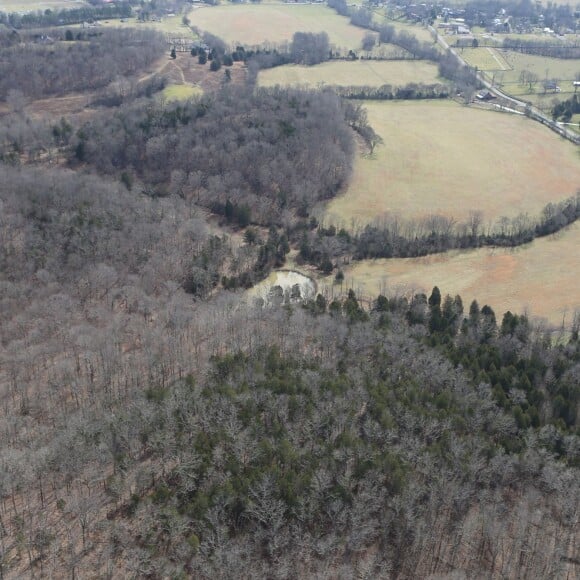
345	73
485	59
275	23
541	278
439	157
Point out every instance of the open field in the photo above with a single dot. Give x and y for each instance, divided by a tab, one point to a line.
275	23
543	66
541	277
484	58
360	73
35	5
170	25
420	32
440	157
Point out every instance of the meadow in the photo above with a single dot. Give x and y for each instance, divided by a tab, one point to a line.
346	73
540	278
484	58
564	70
172	25
444	158
36	5
252	25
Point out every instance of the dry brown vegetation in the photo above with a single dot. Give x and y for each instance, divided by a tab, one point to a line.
540	278
441	158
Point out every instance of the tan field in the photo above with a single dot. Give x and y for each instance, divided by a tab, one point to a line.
35	5
357	73
444	158
542	278
275	23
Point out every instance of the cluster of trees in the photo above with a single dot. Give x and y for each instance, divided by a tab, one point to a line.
275	151
565	110
309	48
38	65
525	14
66	16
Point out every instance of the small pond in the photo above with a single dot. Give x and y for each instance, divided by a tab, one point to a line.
284	287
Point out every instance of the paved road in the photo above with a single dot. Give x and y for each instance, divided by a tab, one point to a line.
532	111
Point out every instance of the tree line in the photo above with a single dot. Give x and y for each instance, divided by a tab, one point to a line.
66	16
551	50
392	237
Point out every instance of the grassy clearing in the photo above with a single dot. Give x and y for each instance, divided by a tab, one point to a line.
360	73
170	25
275	23
440	157
544	67
36	5
485	59
180	92
541	277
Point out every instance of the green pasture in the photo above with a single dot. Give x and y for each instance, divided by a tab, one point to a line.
484	58
180	92
358	73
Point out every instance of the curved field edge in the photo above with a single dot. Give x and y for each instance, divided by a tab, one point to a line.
443	158
541	278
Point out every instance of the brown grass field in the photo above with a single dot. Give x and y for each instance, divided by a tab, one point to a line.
563	70
444	158
345	73
275	23
541	278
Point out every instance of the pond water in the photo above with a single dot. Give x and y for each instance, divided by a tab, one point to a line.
284	287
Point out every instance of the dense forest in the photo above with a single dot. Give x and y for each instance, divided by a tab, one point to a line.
55	62
157	422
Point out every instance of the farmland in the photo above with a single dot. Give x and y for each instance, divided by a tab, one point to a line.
35	5
541	277
275	23
170	25
364	72
485	59
439	157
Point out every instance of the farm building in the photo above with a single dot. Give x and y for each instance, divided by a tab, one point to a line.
486	96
